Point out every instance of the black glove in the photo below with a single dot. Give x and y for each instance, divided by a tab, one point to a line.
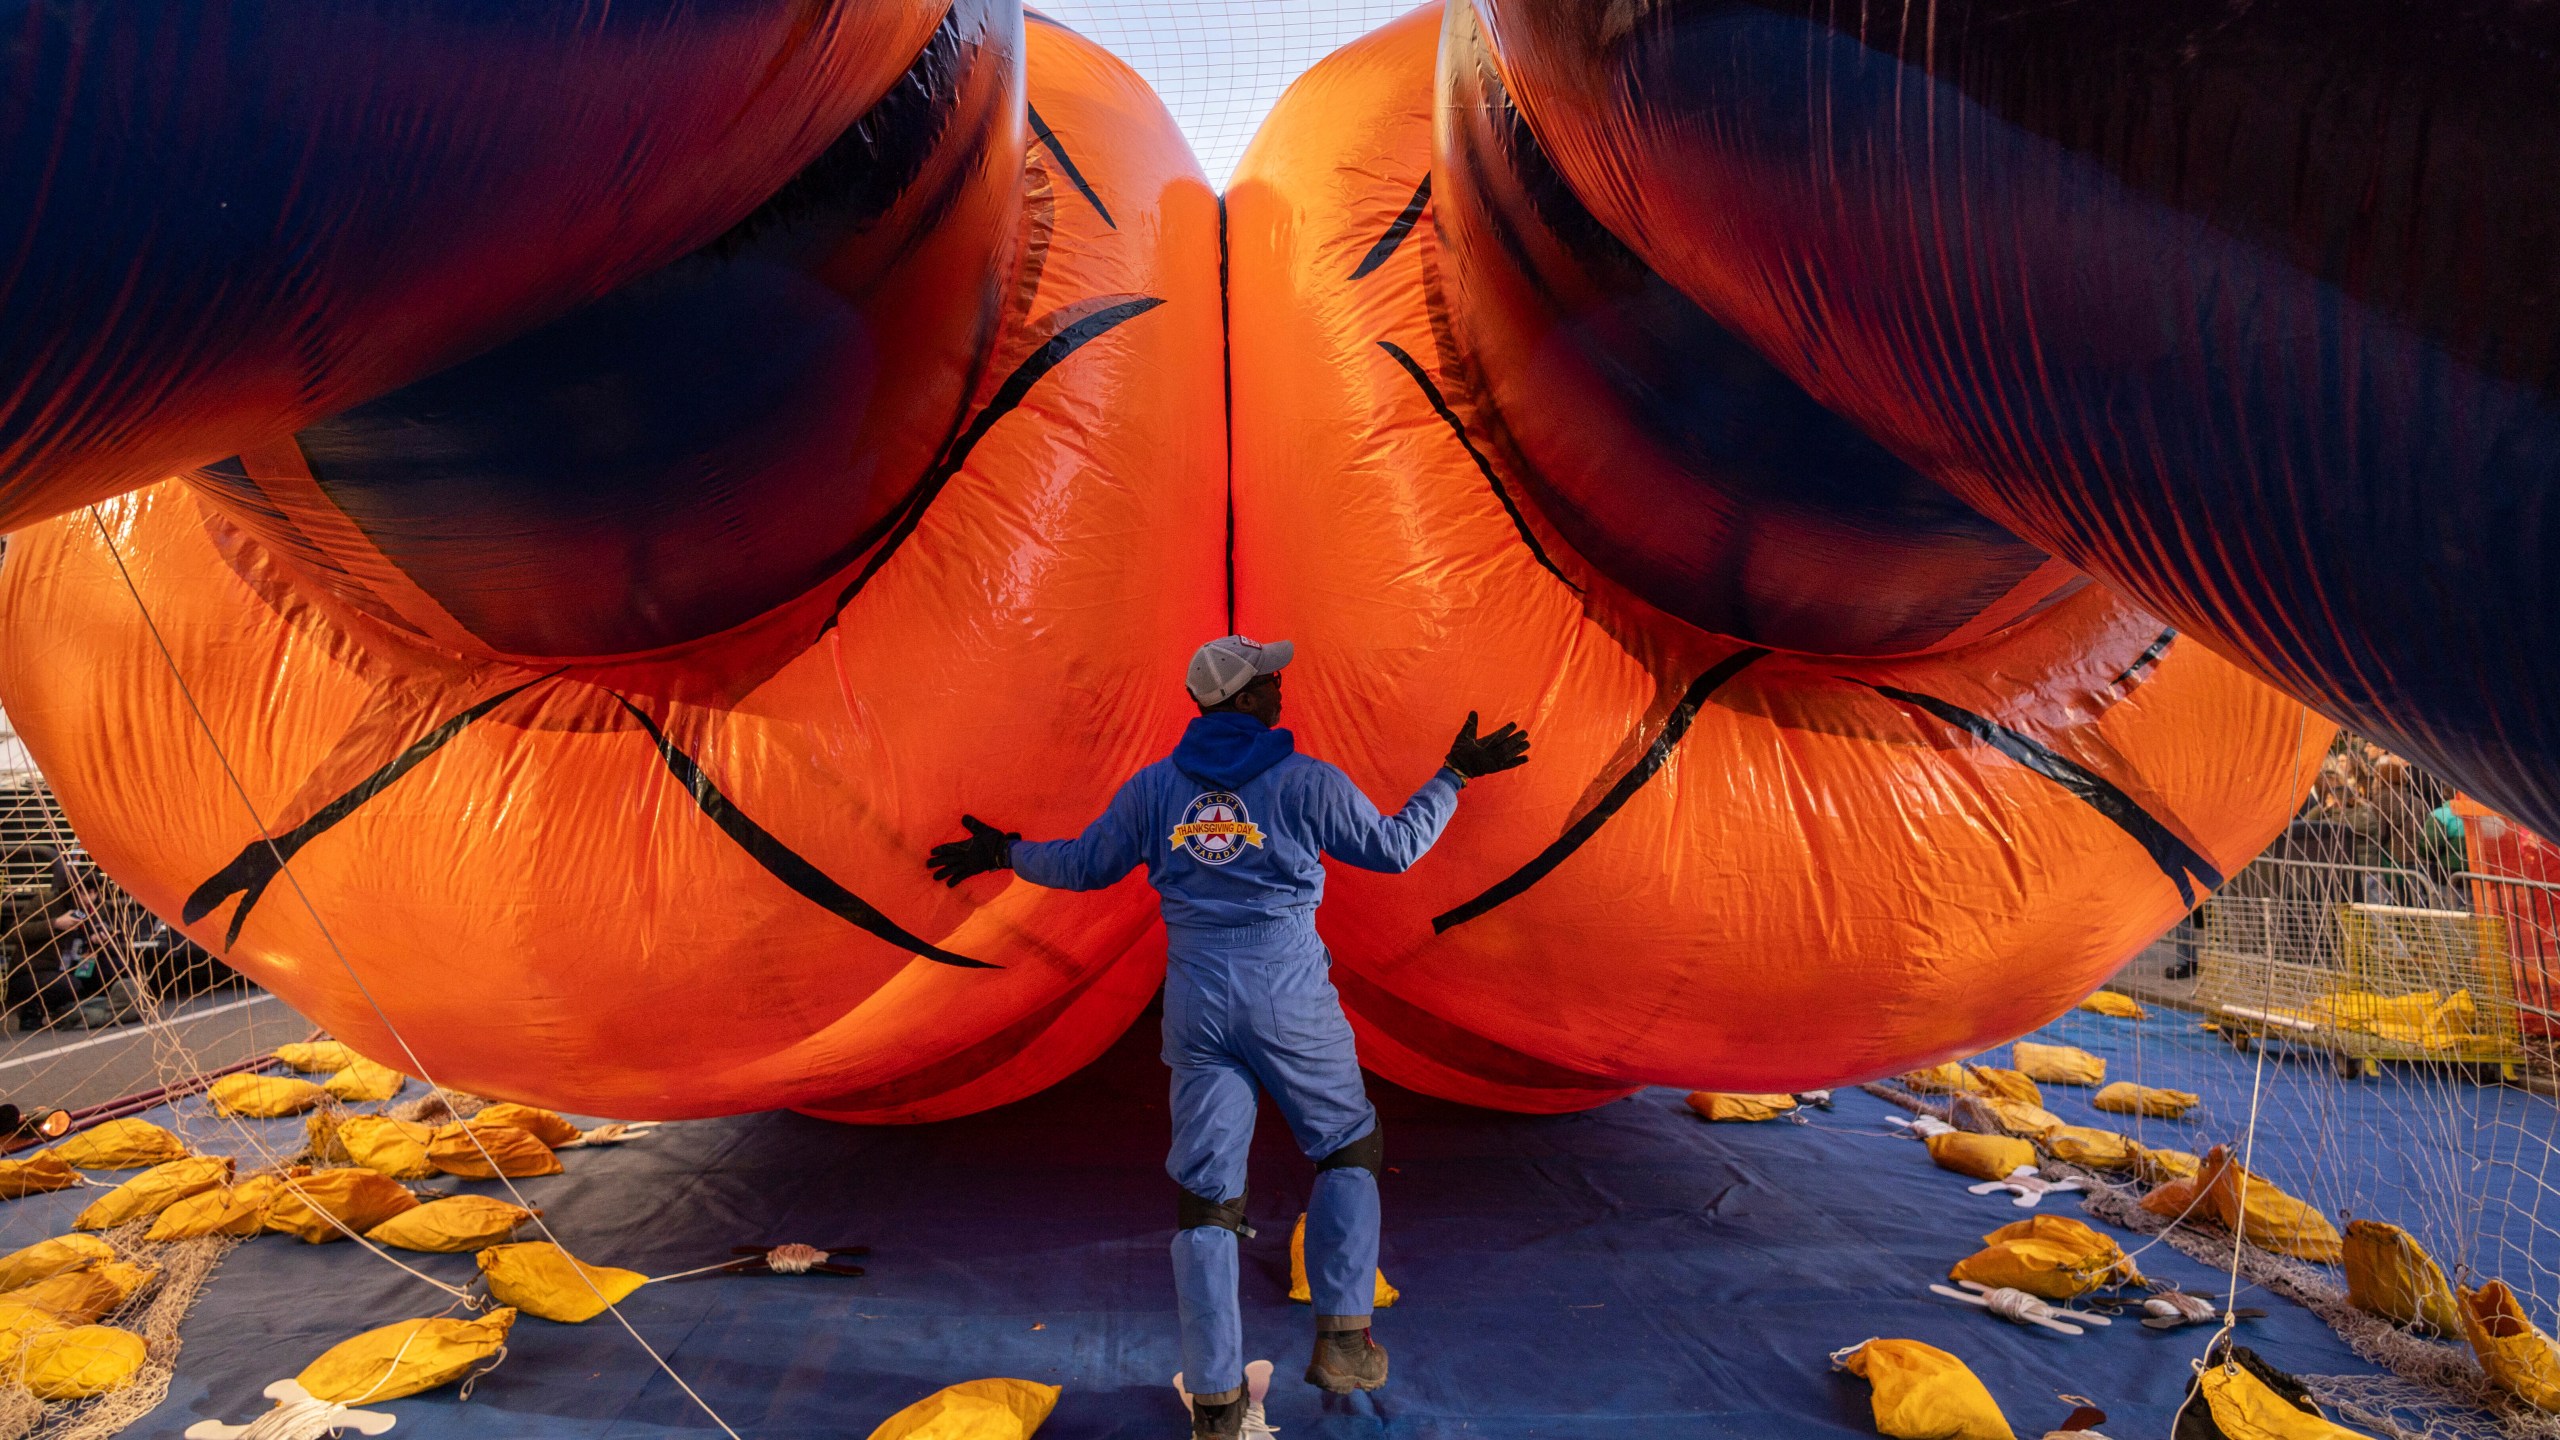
1472	756
987	848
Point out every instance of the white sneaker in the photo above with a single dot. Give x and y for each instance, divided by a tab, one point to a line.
1257	1384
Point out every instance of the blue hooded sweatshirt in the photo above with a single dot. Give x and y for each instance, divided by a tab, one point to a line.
1233	828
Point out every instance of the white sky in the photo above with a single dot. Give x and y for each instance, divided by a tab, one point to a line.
14	758
1220	64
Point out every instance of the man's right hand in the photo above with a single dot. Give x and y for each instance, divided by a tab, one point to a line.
1472	755
987	848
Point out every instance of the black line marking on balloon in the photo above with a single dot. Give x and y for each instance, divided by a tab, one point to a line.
1674	726
1396	230
2176	858
1041	132
256	866
2145	660
1227	379
784	863
1017	385
1440	407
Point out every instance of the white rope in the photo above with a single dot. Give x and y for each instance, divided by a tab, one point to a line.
794	1259
284	867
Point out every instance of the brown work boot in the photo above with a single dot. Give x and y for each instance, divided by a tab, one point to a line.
1217	1422
1347	1360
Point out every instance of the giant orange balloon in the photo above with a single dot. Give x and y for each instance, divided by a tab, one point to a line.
1936	791
610	787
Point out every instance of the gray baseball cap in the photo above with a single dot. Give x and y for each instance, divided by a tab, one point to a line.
1226	665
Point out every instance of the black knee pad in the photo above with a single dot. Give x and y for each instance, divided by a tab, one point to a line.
1193	1211
1369	1153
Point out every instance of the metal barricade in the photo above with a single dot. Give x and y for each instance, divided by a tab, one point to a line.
2330	957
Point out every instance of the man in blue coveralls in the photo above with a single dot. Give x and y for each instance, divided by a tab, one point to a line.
1232	827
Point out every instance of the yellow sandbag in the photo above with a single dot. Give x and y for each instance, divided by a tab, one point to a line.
548	1126
1722	1105
38	1174
2513	1350
1924	1393
2159	1167
320	1134
542	1279
2108	1002
154	1190
2089	1147
80	1296
404	1359
974	1410
359	1199
2272	1219
393	1148
2053	1257
264	1097
119	1145
2244	1408
47	1258
2003	1116
2059	1064
2391	1275
364	1082
20	1323
2126	1098
1984	1157
1948	1079
451	1225
316	1057
485	1152
231	1210
77	1363
2007	1084
1383	1296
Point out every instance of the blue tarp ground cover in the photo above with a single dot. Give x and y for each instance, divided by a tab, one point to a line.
1631	1270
